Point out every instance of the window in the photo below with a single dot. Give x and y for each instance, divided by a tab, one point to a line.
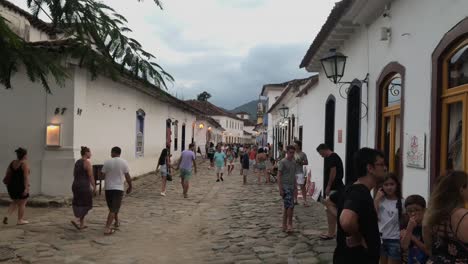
183	137
390	121
454	109
140	132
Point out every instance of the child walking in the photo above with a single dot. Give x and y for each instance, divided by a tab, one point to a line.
388	204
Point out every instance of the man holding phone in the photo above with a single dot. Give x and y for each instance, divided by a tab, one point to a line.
333	184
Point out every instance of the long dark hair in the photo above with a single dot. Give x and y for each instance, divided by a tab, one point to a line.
163	156
398	193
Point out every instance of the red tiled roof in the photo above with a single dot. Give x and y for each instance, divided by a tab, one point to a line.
291	84
34	21
336	14
210	109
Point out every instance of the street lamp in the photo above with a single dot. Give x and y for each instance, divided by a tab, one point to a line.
284	111
334	65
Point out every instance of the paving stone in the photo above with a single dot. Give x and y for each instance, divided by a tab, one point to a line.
6	254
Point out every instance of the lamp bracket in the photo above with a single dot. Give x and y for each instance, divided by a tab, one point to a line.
344	89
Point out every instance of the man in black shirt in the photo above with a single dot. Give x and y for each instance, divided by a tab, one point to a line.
358	238
332	186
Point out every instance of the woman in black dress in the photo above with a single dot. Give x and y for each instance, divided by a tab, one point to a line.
83	188
17	181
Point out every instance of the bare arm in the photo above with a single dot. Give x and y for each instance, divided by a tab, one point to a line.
26	172
88	168
178	163
349	222
194	165
331	179
129	182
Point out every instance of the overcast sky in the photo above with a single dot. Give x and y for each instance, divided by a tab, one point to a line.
229	48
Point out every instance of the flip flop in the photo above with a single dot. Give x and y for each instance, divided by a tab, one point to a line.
75	225
112	231
326	237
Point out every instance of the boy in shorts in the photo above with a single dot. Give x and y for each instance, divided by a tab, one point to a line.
287	187
220	162
245	164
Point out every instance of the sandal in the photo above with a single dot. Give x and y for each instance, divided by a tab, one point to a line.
23	222
110	232
75	225
326	237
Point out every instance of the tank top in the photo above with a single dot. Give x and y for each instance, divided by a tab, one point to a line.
446	247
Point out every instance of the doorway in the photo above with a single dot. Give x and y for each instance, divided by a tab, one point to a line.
183	137
353	131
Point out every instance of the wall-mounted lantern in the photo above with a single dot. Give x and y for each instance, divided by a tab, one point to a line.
284	111
334	65
53	135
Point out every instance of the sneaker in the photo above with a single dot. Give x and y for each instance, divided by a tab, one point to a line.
222	179
217	180
163	194
185	195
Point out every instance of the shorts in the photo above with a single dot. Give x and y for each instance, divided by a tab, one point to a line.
288	197
335	196
219	169
251	163
114	200
300	179
163	170
185	174
391	248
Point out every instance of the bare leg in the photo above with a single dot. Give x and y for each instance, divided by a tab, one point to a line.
304	194
11	208
186	187
164	181
21	209
290	219
285	219
393	261
383	260
259	177
110	219
295	196
331	217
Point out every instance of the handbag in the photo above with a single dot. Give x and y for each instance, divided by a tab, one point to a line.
7	178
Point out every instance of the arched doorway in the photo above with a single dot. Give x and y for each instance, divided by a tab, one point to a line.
168	134
449	135
353	130
329	128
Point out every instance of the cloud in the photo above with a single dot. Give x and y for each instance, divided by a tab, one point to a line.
229	48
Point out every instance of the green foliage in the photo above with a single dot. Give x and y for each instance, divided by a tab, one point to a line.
94	34
38	63
203	96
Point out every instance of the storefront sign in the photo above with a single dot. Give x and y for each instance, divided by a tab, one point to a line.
415	150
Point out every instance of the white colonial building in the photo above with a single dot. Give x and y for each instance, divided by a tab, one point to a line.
404	89
99	113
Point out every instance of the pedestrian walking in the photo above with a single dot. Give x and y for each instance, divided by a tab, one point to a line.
186	162
241	155
358	237
164	168
253	157
245	165
301	160
220	162
446	220
230	160
83	188
388	203
17	183
211	152
115	172
287	187
261	159
333	186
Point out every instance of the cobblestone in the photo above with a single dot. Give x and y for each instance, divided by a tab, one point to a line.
224	222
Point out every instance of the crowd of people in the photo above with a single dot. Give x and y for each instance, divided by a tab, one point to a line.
370	219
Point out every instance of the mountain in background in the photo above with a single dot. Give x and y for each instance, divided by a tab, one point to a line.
250	107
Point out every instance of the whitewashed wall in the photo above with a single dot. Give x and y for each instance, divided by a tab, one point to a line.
412	42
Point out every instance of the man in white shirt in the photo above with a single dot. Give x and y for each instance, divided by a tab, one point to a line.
115	172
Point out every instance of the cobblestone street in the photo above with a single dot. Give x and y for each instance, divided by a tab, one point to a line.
223	222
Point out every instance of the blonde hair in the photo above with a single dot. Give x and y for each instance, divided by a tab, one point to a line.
445	198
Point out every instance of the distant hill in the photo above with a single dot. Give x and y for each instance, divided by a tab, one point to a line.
250	107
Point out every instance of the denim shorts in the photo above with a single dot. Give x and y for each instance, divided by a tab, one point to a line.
391	248
288	197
